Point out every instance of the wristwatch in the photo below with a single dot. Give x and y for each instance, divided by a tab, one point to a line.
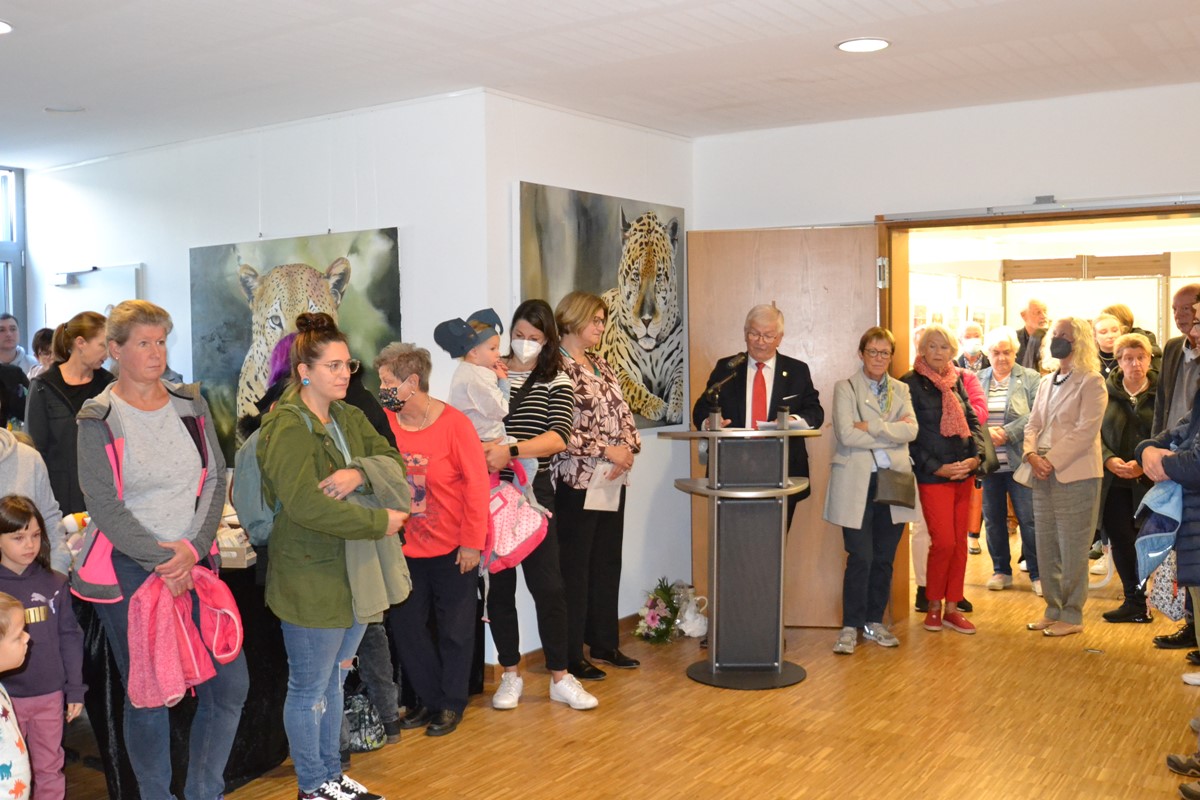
512	451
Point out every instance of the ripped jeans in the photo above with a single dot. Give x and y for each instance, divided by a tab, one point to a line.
312	712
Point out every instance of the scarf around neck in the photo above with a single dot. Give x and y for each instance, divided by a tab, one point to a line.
954	419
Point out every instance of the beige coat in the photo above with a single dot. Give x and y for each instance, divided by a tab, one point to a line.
1074	423
850	472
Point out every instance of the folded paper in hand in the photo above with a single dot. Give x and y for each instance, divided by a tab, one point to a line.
603	492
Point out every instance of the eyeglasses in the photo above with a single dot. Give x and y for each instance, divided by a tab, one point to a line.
335	367
760	336
869	353
598	321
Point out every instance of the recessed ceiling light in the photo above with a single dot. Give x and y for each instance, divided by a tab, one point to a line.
5	27
64	109
864	44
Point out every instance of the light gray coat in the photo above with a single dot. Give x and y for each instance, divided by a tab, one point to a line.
850	472
1022	390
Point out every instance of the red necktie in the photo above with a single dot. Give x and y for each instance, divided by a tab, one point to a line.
758	400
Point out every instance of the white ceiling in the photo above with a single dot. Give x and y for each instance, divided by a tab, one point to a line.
151	72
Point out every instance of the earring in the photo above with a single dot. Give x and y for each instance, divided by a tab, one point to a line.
305	382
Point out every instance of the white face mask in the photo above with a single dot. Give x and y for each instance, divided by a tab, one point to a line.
972	346
526	349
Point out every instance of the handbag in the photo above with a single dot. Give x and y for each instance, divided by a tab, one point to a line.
363	723
892	487
1165	593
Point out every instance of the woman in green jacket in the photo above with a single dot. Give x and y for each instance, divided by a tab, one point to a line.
306	449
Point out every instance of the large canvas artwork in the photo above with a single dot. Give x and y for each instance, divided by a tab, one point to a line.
631	253
246	297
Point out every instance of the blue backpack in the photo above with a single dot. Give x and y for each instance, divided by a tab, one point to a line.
256	516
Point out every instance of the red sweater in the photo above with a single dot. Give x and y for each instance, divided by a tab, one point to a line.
448	477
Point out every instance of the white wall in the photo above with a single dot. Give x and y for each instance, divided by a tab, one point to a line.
1127	144
442	170
528	142
417	166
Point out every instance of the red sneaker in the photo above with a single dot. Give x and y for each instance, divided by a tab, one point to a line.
933	620
957	622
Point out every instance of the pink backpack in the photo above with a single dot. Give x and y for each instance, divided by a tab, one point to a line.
515	526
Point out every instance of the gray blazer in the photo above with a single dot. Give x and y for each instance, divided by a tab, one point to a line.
850	472
1022	389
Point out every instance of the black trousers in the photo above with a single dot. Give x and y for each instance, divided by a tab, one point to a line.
870	553
1122	533
438	671
543	578
590	545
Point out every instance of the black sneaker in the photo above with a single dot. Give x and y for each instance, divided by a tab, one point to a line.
1128	612
1182	639
392	731
355	789
922	603
965	607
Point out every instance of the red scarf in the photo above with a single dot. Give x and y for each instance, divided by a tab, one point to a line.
954	419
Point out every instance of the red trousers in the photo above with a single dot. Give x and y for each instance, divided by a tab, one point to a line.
947	509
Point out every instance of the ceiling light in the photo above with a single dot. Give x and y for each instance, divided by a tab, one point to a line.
5	27
64	109
864	44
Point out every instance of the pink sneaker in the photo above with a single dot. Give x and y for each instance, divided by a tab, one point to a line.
933	620
957	622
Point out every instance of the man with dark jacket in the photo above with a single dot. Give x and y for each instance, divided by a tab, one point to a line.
760	383
1036	318
1177	384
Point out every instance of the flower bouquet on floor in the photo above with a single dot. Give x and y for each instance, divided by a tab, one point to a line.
658	617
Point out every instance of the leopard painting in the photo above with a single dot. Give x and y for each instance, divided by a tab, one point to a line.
276	298
643	340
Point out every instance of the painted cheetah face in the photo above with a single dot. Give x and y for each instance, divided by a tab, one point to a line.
646	280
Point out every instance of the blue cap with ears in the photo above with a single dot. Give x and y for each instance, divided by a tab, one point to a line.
458	336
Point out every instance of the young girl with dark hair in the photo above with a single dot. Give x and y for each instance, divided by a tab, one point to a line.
53	673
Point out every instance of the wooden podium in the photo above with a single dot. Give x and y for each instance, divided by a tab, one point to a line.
747	489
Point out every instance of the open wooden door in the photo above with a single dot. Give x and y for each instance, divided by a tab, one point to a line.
824	281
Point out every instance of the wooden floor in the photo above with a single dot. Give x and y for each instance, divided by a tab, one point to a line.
1003	714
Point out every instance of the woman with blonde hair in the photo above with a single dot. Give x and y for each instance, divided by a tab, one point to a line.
604	440
1062	448
947	455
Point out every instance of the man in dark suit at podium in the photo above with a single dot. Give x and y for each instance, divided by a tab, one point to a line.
761	382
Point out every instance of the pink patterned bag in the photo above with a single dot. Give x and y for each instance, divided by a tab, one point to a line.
515	527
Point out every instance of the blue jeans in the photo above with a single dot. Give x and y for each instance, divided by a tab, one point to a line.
312	712
148	730
997	488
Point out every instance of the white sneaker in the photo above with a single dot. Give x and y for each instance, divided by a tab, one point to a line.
1023	566
570	691
509	692
876	632
999	582
1037	588
847	639
1100	566
1191	678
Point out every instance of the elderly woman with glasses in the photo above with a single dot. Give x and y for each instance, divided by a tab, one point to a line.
1010	390
448	476
947	454
873	421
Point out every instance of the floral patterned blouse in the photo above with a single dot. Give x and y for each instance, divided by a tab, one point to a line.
602	419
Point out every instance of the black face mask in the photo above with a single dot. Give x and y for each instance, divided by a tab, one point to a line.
1060	347
389	399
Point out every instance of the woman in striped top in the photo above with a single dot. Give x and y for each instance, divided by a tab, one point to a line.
540	419
1010	390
